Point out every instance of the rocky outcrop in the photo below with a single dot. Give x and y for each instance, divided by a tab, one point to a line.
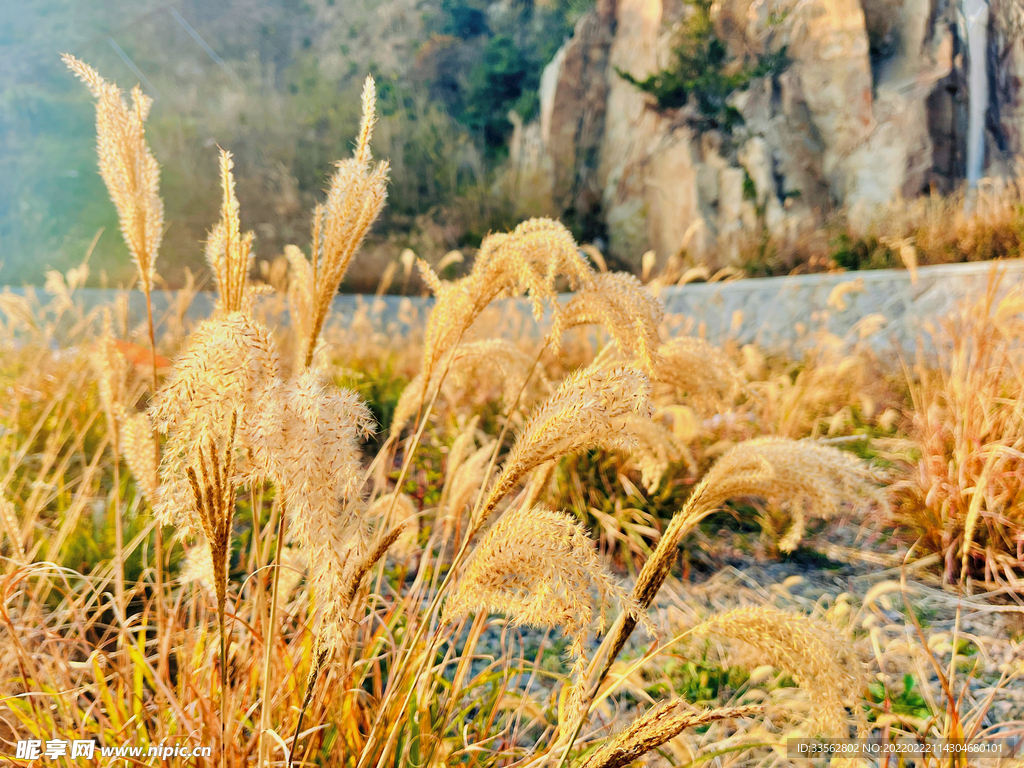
871	109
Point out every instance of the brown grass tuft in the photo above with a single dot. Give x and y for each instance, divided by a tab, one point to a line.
962	500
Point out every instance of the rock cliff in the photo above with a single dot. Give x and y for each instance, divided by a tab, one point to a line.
872	108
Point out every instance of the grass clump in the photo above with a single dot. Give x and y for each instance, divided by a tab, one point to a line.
388	596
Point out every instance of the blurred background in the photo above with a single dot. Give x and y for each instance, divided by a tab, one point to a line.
680	138
277	83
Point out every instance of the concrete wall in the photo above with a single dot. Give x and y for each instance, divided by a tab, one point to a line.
775	312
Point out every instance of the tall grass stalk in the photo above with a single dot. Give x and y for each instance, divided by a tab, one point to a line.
269	633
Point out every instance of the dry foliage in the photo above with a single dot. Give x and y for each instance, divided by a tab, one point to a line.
286	516
964	497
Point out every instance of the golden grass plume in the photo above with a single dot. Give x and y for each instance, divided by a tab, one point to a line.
538	567
127	166
529	260
701	372
141	453
778	469
657	726
355	198
619	303
587	410
822	662
305	439
228	250
227	363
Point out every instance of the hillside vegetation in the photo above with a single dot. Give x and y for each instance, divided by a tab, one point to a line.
279	86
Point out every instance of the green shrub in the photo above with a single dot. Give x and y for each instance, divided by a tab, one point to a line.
700	72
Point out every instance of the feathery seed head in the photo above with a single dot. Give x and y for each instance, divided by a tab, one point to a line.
305	439
214	483
140	451
355	198
301	298
821	660
657	726
197	565
801	472
404	516
588	409
227	363
624	307
464	480
112	370
127	166
527	260
469	367
538	567
654	449
700	370
228	251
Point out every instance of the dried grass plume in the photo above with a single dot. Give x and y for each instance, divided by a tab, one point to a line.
128	168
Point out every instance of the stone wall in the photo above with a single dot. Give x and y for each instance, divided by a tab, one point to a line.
886	309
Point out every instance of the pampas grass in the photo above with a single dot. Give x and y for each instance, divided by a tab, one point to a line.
127	165
355	198
306	441
588	409
620	304
700	372
468	365
212	511
287	520
142	454
222	372
777	469
538	567
228	250
821	660
656	726
131	174
527	260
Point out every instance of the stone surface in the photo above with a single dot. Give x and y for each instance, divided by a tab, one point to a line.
772	311
871	110
884	308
